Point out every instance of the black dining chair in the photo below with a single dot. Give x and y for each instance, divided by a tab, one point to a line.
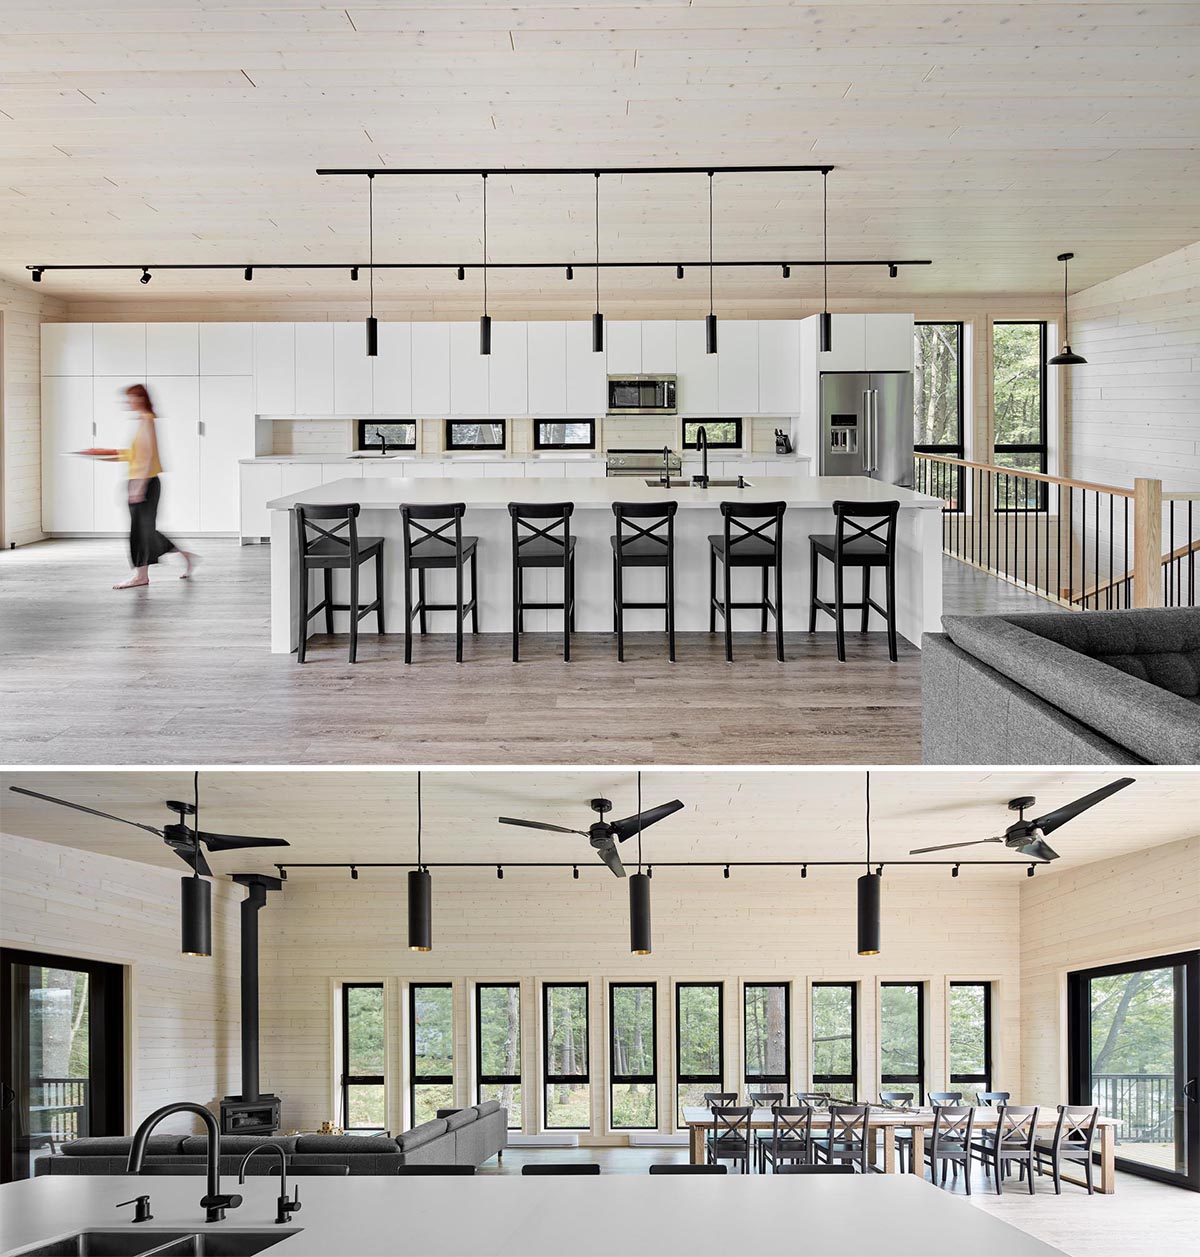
764	1100
857	543
744	543
674	1168
433	539
949	1143
1073	1140
989	1099
799	1167
814	1099
731	1137
435	1171
541	538
1012	1139
935	1098
847	1138
327	541
645	538
722	1098
791	1136
904	1135
555	1168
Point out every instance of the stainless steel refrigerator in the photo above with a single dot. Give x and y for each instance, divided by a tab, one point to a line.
867	425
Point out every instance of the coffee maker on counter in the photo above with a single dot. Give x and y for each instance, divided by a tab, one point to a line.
783	442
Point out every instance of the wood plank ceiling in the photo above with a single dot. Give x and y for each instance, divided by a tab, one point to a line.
737	815
988	136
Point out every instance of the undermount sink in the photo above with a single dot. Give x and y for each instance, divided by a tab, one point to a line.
712	484
369	454
159	1243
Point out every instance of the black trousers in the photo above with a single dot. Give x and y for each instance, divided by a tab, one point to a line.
146	544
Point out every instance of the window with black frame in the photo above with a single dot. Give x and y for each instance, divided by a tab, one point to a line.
1019	413
633	1059
431	1049
376	434
971	1035
498	1046
565	1056
720	434
902	1037
835	1039
938	408
363	1056
699	1042
766	1036
564	434
476	434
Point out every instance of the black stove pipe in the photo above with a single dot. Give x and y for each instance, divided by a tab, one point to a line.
257	885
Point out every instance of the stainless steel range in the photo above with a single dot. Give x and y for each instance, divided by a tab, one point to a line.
643	462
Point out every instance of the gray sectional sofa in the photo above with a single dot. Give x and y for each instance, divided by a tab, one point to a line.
1097	687
456	1137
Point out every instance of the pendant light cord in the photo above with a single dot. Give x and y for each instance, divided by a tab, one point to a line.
639	784
597	242
419	864
710	242
485	244
371	239
196	819
825	233
1065	336
868	822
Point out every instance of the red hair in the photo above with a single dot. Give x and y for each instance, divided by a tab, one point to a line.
141	398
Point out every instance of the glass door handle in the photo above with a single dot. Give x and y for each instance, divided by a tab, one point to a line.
1189	1090
7	1096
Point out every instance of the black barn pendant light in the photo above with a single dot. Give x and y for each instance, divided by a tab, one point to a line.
420	896
597	318
195	899
826	317
868	897
372	322
710	323
1068	357
639	896
485	321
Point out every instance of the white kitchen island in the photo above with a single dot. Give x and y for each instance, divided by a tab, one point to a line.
810	510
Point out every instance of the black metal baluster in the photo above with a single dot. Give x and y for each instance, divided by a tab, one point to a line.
1125	555
1108	602
1096	548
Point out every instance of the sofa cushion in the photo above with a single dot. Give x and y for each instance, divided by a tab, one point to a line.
462	1118
1155	724
236	1145
119	1145
488	1106
349	1145
422	1134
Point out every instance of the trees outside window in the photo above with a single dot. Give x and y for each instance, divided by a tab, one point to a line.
363	1056
565	1056
835	1039
633	1068
766	1039
498	1046
971	1036
721	434
699	1046
1019	412
938	379
902	1037
431	1049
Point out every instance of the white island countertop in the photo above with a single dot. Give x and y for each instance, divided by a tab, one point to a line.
530	456
837	1216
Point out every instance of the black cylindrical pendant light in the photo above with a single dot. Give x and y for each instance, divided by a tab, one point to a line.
1068	357
826	325
639	914
597	318
195	917
710	323
372	337
485	320
372	323
420	896
868	897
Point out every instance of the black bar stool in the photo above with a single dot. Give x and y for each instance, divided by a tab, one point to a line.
858	545
433	549
648	545
546	545
752	545
329	550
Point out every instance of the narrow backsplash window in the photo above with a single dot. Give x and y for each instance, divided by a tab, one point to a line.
564	434
721	434
372	434
471	434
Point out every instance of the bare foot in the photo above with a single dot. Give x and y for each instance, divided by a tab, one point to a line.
190	559
132	583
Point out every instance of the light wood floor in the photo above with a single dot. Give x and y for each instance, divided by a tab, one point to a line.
180	672
1141	1219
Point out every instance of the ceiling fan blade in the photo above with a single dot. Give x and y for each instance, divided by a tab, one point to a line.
91	811
608	853
554	829
950	846
1039	849
193	857
233	842
1052	820
643	820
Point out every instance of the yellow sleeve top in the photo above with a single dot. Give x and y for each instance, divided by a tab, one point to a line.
142	455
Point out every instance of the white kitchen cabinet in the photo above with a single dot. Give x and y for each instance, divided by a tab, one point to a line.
697	370
352	374
114	427
499	471
226	348
172	349
545	469
340	470
275	368
587	386
737	367
456	470
778	366
226	435
177	405
314	368
888	342
67	479
848	344
414	471
260	483
468	371
431	368
623	346
585	470
296	477
66	349
391	389
119	349
658	346
508	370
547	358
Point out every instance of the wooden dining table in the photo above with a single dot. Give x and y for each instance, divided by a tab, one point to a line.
699	1122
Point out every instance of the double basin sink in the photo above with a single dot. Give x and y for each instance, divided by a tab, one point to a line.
112	1243
712	484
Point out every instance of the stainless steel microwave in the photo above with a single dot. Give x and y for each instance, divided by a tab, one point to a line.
641	394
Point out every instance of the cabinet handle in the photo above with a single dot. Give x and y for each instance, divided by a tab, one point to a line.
199	427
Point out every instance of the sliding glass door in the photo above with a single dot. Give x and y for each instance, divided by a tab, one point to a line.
61	1069
1134	1053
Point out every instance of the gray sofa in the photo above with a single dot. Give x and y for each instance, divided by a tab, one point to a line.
460	1137
1096	687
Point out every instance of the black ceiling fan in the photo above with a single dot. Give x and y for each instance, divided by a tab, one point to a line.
1029	837
604	835
184	839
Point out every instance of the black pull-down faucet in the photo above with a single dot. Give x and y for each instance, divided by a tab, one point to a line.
701	481
213	1201
284	1206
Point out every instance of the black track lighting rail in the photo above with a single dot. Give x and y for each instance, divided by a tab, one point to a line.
879	865
426	172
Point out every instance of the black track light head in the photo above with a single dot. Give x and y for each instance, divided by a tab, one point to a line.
727	872
804	870
354	273
353	873
282	872
575	872
954	871
679	272
248	274
570	272
1030	870
893	270
145	275
649	870
499	872
787	271
37	275
462	273
879	870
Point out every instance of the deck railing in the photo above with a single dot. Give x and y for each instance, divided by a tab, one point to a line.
58	1107
1144	1104
1077	544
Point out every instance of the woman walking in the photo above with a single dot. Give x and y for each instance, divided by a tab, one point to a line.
146	544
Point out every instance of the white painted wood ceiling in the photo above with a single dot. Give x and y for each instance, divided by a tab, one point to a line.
988	136
746	815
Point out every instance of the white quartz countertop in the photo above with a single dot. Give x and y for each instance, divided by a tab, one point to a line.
534	456
630	1214
388	492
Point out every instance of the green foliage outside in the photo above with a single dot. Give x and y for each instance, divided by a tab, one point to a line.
1017	383
968	1032
833	1037
634	1104
699	1042
1133	1023
899	1034
717	432
500	1046
366	1036
765	1028
566	1030
936	384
